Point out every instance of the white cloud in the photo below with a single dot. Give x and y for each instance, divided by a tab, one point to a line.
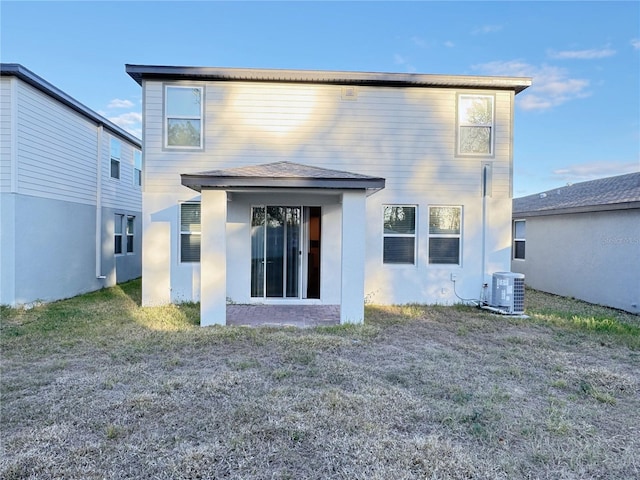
117	103
582	54
593	170
130	121
485	29
635	43
551	86
404	61
449	44
419	41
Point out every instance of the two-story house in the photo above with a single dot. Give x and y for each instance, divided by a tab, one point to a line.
70	194
322	187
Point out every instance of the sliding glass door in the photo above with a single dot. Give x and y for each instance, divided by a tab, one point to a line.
275	251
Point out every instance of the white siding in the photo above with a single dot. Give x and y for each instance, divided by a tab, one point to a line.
119	193
5	133
406	135
56	149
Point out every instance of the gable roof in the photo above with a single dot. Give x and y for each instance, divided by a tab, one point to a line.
280	175
611	193
26	75
140	72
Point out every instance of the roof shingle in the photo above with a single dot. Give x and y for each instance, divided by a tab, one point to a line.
601	194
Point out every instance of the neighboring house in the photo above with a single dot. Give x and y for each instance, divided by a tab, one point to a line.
582	241
70	194
323	187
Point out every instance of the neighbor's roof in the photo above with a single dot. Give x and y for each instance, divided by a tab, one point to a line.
158	72
26	75
280	175
611	193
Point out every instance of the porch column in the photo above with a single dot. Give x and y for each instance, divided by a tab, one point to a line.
353	256
213	258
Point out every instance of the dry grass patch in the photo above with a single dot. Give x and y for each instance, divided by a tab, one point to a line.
97	387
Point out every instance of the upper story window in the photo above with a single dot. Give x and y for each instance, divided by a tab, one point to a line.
475	125
115	158
183	117
445	235
137	168
399	234
519	238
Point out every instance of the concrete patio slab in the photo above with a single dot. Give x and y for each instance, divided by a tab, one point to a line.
301	316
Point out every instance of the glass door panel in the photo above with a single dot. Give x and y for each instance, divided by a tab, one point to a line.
293	251
275	251
257	252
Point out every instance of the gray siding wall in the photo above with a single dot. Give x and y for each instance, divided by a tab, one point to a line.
119	193
56	149
6	124
49	214
591	256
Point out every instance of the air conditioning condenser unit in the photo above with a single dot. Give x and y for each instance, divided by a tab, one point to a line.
507	293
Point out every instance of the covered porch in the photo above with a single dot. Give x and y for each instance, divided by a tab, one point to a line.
256	235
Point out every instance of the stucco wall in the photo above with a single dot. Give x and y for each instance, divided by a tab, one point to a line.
591	256
49	250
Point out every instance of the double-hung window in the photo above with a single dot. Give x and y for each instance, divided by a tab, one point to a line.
189	232
183	117
445	235
475	125
117	235
399	234
137	168
130	223
115	158
519	235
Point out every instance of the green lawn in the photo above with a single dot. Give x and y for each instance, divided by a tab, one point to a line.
96	387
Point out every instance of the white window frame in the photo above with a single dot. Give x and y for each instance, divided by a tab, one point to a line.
167	117
461	122
137	168
187	232
522	240
118	233
413	235
115	154
432	236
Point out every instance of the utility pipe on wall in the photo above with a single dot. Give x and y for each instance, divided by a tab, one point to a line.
486	172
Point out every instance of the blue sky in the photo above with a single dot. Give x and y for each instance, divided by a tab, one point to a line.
579	121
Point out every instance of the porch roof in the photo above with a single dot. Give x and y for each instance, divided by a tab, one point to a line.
281	175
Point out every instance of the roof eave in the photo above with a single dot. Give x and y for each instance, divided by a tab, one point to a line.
199	182
140	72
26	75
580	209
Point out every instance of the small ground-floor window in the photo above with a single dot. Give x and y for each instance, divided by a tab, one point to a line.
117	236
445	235
189	232
519	233
399	234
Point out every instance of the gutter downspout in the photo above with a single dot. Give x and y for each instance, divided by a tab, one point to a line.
99	274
